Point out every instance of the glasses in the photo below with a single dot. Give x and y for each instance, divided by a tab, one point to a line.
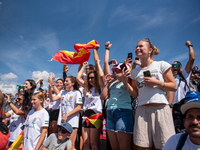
18	99
175	65
90	78
62	130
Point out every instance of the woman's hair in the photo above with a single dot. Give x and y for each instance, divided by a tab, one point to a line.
73	80
155	51
88	86
60	80
26	106
40	96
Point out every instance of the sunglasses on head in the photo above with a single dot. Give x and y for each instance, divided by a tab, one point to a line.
175	65
62	130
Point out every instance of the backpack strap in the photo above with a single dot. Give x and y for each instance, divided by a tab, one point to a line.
182	78
181	141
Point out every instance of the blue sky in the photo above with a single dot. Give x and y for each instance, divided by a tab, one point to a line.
31	32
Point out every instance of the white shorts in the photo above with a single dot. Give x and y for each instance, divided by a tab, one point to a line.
153	126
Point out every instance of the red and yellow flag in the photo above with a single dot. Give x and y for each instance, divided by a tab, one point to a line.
96	120
15	145
81	55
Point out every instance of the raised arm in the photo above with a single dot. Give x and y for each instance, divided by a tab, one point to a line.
39	80
13	107
80	73
106	58
51	97
65	70
189	65
98	66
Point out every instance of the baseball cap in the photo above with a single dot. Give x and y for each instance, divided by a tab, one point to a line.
193	101
43	88
67	126
197	71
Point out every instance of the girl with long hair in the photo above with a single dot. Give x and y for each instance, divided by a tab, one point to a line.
92	106
70	104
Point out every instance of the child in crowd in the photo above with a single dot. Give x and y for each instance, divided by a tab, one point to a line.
60	140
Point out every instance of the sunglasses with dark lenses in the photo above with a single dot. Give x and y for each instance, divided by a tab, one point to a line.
18	99
90	78
62	130
175	65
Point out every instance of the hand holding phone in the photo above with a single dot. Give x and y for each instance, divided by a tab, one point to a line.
130	55
147	73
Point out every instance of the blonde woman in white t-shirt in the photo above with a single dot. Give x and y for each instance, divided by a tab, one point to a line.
36	124
70	105
153	119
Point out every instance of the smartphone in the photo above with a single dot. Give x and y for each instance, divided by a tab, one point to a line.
136	58
130	55
110	62
147	73
122	66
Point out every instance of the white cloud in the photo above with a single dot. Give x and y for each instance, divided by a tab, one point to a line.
8	88
9	76
37	74
180	58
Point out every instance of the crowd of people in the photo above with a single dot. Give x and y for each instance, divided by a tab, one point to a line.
147	105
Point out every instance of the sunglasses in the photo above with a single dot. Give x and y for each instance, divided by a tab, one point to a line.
18	99
175	65
90	78
62	130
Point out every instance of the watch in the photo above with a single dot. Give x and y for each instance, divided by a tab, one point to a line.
9	103
171	105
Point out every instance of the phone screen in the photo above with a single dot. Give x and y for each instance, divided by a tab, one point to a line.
147	73
130	55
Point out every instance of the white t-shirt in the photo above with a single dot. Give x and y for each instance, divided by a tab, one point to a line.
92	101
180	93
67	104
148	94
171	144
34	121
16	125
54	105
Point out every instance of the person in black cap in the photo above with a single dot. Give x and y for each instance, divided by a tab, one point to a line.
190	111
60	140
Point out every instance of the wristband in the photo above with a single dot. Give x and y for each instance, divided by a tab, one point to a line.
108	48
115	77
9	103
162	85
190	45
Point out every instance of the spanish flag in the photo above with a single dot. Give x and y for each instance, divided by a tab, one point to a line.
96	120
15	145
81	55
